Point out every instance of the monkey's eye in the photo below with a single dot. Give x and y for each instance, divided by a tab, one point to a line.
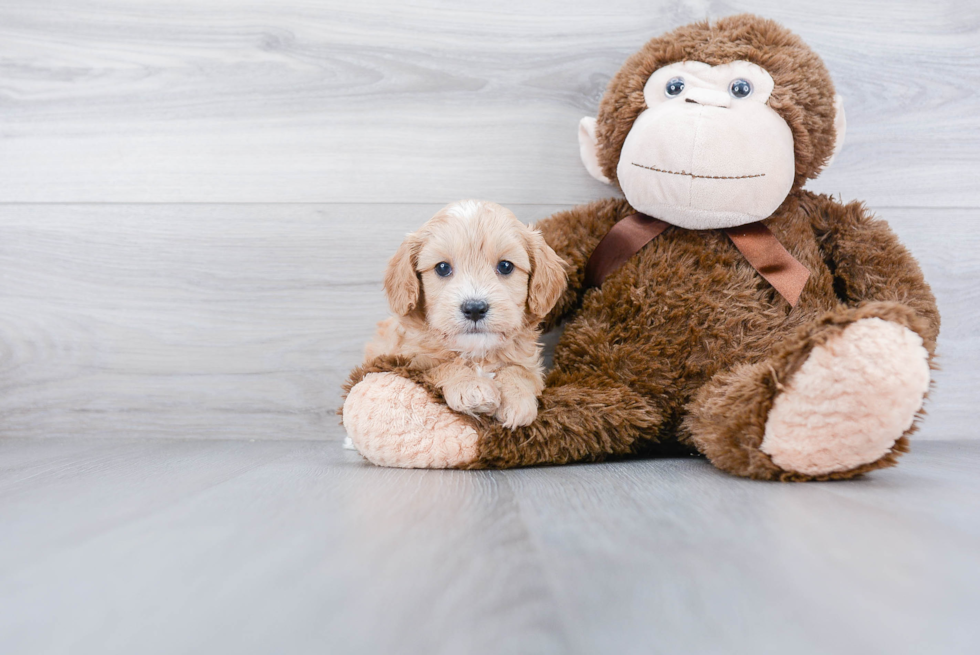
443	269
674	87
504	267
740	89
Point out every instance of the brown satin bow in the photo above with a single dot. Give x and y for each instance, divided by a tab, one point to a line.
756	243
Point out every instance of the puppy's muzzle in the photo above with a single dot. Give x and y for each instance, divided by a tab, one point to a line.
475	310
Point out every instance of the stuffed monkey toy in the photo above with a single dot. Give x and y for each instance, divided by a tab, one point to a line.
718	308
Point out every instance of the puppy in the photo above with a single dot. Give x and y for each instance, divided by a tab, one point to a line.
468	291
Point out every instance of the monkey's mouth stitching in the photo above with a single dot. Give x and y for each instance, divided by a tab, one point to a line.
699	177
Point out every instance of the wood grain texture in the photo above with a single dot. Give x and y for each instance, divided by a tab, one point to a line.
114	546
242	321
383	101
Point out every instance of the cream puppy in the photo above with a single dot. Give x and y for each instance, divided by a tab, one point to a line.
469	290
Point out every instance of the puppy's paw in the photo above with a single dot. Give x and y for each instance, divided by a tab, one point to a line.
516	410
474	396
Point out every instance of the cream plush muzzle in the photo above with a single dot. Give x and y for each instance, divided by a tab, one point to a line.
704	159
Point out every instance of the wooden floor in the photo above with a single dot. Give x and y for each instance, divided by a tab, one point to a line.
197	200
179	546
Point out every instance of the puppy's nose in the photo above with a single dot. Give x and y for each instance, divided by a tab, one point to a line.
474	309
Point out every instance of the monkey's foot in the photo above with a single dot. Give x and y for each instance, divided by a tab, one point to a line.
394	422
849	402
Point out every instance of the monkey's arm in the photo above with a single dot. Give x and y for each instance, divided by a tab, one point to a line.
869	263
574	234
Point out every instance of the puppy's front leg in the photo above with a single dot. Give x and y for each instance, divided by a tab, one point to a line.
465	390
519	389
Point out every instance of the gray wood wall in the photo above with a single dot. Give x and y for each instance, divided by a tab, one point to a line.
197	199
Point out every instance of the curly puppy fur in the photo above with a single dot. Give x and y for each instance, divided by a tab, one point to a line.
686	346
487	363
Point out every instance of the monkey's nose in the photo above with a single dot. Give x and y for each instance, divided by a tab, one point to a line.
474	309
709	97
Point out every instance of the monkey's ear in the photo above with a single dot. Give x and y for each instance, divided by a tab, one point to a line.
588	148
548	279
401	279
840	127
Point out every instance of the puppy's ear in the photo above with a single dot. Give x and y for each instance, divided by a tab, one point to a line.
401	280
548	277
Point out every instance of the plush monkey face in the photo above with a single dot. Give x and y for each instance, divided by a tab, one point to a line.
707	152
706	148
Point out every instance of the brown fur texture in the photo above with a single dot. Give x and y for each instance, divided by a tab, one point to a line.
688	338
686	346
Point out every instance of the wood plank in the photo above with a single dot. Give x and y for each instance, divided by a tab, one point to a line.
678	557
181	546
105	101
119	546
242	321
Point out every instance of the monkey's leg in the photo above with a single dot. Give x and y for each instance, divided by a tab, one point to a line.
837	399
397	421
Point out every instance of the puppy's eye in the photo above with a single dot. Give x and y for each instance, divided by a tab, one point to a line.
443	269
504	267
